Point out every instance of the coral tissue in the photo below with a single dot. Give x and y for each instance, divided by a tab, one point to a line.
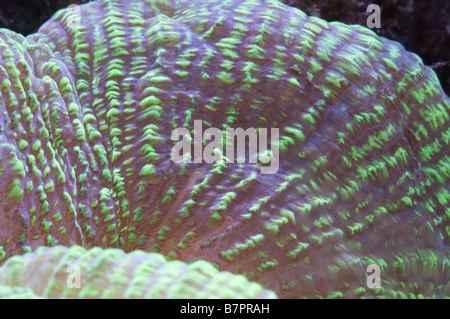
88	105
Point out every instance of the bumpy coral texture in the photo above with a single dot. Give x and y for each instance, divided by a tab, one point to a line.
85	138
111	273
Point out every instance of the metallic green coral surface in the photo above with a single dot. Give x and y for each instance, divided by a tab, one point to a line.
86	116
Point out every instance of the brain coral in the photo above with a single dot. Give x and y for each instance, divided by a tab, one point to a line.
87	113
111	273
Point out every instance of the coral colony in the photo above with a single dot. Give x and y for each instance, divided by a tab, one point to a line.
93	205
214	150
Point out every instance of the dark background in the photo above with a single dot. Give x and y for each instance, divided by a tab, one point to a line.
422	26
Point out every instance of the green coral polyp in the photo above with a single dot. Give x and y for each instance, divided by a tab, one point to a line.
86	118
142	269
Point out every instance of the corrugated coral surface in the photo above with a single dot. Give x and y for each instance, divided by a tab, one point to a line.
87	114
